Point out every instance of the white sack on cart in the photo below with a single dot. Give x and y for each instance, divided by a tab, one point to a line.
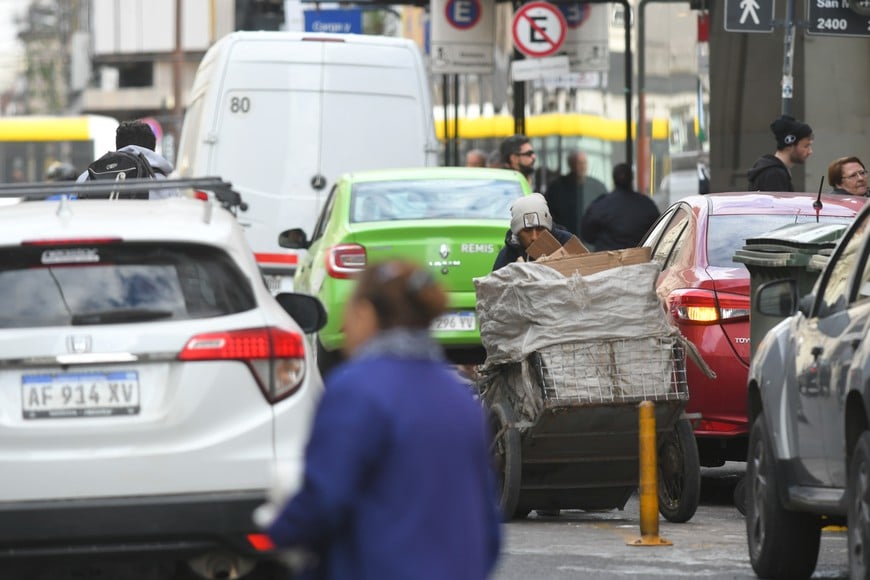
526	306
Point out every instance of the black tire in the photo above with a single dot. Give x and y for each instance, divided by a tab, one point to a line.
679	473
327	359
505	449
782	543
858	515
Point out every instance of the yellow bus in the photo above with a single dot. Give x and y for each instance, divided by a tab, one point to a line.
30	144
553	135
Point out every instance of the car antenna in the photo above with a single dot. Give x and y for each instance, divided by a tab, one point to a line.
817	205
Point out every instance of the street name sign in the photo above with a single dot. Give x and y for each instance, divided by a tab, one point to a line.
539	29
343	21
462	36
530	69
749	15
835	18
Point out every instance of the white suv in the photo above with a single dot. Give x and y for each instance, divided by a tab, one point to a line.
150	385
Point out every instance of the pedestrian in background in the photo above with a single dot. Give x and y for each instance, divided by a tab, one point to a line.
517	154
494	160
570	195
398	478
848	176
475	158
794	145
619	219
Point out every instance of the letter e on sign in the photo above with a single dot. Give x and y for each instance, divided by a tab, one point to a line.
463	14
539	29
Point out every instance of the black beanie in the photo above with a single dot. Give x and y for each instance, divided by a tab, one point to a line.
788	131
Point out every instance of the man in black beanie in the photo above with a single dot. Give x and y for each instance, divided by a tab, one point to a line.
794	144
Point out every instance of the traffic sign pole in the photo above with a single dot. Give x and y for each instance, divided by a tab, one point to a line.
788	59
519	92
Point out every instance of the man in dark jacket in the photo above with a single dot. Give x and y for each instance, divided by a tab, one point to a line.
794	144
570	195
619	219
530	216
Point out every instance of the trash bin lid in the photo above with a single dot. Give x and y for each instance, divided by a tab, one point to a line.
791	245
801	237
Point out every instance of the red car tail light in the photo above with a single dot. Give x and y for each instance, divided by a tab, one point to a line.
261	542
276	357
345	260
707	307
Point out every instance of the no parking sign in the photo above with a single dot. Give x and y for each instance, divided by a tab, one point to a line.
463	14
463	36
539	29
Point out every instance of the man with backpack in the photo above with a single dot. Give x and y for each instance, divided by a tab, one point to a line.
134	158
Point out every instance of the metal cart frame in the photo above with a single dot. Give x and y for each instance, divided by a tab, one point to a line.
565	426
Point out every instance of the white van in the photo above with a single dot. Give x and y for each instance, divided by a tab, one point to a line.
281	115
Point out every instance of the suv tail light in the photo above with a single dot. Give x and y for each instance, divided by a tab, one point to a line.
345	260
276	357
707	307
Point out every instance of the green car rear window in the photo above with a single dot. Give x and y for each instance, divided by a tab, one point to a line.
433	199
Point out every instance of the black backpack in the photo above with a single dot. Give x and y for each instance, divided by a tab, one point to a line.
120	166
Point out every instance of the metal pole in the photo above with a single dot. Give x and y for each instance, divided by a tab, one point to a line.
519	91
628	85
456	160
788	59
445	87
177	61
642	144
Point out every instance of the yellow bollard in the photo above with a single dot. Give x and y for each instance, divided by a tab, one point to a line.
649	497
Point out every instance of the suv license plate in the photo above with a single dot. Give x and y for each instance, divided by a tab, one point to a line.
90	394
454	321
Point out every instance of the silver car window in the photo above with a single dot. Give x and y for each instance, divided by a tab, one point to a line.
834	294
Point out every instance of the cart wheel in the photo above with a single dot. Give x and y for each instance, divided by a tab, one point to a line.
505	449
679	473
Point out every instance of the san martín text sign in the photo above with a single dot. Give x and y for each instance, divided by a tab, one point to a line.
835	18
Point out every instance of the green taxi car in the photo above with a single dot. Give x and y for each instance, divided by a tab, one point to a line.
451	219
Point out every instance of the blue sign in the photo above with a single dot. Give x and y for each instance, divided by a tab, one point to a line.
463	14
575	14
344	21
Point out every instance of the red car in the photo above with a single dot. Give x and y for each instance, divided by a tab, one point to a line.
707	294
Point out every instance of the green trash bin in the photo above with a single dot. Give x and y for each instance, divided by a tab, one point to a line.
798	252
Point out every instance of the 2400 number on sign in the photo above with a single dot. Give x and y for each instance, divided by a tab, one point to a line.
90	394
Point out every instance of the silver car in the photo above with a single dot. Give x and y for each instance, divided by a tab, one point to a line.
809	446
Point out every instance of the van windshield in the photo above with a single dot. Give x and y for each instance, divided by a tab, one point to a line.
433	199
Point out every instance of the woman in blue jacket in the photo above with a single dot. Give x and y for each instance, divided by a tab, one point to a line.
398	481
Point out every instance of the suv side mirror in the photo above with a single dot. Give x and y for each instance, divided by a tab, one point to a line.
294	239
307	311
777	298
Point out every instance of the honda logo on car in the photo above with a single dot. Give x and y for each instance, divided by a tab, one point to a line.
78	344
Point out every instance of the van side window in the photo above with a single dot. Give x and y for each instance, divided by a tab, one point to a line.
320	226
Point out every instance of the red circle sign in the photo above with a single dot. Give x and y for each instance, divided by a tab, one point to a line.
539	29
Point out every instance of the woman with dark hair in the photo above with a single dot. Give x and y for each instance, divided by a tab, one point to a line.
398	479
848	176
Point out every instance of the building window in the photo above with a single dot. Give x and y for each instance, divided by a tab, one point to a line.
136	74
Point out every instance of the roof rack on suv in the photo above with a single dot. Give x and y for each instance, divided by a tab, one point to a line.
222	191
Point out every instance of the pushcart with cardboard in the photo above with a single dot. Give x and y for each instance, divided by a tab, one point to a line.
569	359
